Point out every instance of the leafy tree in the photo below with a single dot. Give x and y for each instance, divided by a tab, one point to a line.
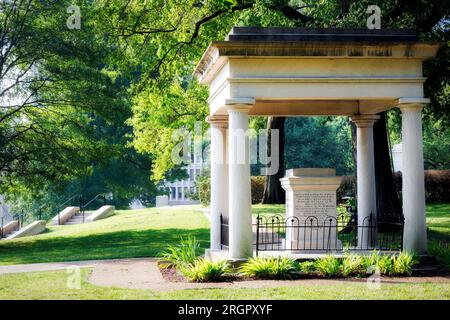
318	143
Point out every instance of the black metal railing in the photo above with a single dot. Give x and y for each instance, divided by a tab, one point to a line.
224	232
315	233
70	200
100	196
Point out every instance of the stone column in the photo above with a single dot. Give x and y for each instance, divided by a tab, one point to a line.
219	177
240	215
365	171
415	232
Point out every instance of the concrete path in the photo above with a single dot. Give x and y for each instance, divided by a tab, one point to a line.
35	267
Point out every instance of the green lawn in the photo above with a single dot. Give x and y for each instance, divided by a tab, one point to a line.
438	221
52	285
144	233
129	233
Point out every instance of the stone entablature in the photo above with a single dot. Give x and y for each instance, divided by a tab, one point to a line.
314	72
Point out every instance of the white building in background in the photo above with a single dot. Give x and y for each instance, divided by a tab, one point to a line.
179	190
4	210
397	157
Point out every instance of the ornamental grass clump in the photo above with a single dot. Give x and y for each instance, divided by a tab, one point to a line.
403	263
307	267
204	270
352	264
269	268
328	266
183	254
385	265
371	260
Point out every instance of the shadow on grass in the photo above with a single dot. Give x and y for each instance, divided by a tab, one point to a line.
438	235
123	244
438	210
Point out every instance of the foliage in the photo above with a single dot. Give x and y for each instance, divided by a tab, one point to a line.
204	270
371	260
203	187
441	251
170	115
403	263
306	267
351	264
183	254
386	265
437	184
53	86
328	266
332	150
269	268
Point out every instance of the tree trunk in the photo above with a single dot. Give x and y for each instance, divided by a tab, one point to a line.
273	192
388	203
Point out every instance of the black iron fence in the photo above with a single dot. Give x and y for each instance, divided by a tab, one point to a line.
321	234
224	231
329	234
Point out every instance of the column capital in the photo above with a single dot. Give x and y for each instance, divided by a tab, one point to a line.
239	104
218	121
412	104
364	120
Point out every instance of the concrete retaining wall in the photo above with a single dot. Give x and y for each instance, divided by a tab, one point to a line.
10	226
65	215
103	212
32	229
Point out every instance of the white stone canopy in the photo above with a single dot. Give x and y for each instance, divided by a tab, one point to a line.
298	72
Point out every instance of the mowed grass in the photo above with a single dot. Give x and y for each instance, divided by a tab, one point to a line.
438	221
53	285
129	233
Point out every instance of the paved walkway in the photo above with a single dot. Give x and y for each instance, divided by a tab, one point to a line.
50	266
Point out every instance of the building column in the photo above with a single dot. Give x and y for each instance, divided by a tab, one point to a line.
219	177
365	171
413	190
240	215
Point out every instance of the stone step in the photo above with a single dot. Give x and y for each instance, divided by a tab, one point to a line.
73	222
76	218
6	235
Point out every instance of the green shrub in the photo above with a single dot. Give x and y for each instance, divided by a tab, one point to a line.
441	251
203	188
404	262
328	266
183	254
203	270
352	264
371	260
257	187
269	268
307	267
385	264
